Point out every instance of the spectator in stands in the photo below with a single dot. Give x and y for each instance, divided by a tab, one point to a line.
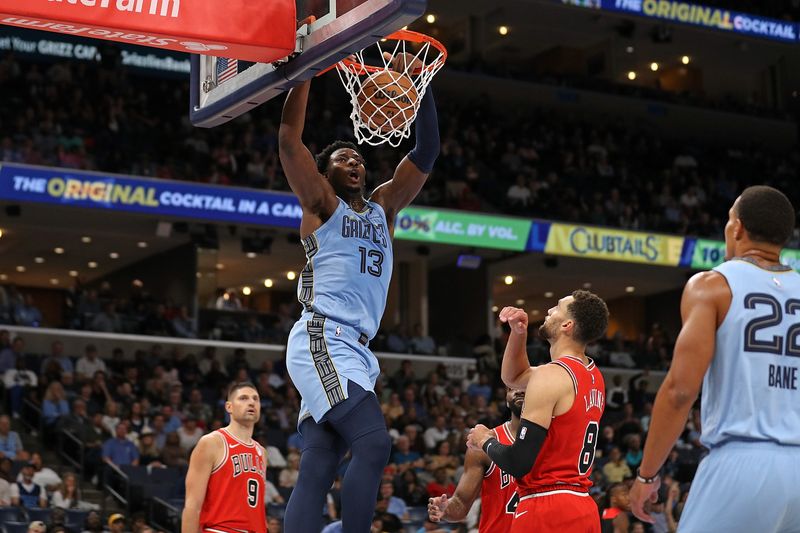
111	417
68	495
107	320
397	340
18	381
634	455
172	454
149	454
482	388
197	408
519	195
629	424
616	470
443	458
183	325
421	343
116	523
27	314
288	476
411	490
436	433
157	426
56	364
27	493
441	484
89	364
394	505
617	395
411	404
10	354
393	408
272	495
94	523
119	450
37	526
42	475
5	493
404	376
189	434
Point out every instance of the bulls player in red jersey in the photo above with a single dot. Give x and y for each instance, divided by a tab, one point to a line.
553	453
227	472
481	475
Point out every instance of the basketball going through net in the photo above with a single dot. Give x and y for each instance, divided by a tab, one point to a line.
386	83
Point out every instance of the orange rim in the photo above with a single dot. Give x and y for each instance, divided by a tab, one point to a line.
399	35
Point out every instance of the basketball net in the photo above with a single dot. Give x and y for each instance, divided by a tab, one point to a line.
386	116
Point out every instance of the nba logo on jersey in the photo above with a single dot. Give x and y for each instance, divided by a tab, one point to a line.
338	331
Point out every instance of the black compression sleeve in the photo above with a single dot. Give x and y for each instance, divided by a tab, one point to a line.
518	459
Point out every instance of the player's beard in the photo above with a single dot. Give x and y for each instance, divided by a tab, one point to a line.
515	408
545	333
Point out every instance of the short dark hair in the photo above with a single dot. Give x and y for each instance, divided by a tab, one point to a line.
324	157
239	385
767	214
590	313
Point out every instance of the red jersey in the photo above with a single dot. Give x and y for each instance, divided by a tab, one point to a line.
567	455
235	494
499	491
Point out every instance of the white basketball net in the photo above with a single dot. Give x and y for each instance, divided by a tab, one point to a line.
376	121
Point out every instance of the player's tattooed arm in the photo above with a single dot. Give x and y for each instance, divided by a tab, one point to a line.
455	509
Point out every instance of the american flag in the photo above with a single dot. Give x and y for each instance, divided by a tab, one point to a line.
226	69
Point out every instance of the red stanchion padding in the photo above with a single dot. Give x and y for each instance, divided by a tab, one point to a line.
261	31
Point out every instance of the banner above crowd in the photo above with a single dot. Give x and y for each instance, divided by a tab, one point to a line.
702	16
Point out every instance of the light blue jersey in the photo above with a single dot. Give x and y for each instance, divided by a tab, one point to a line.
750	391
751	410
343	290
349	268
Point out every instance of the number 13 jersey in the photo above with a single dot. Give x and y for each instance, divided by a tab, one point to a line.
567	455
235	493
349	267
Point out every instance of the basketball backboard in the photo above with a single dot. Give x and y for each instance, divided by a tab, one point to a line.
222	89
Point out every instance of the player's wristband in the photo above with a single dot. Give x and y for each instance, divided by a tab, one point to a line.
646	480
488	443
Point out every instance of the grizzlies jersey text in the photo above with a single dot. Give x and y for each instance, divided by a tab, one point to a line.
349	267
750	392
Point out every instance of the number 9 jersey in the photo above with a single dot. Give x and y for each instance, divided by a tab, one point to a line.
234	500
554	495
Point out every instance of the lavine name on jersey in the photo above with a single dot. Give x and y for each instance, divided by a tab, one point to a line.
596	398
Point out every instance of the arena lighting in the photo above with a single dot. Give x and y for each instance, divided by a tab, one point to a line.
53	281
535	312
141	244
246	290
431	18
631	75
548	294
38	260
685	60
630	289
494	309
520	302
113	255
92	264
251	255
58	250
629	49
20	268
268	283
587	285
291	275
1	233
220	266
503	30
86	239
654	66
508	280
3	277
73	273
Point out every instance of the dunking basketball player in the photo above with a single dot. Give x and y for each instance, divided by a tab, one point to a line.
553	453
740	340
226	478
498	489
348	242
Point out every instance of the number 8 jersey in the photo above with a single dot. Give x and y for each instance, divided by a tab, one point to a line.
235	493
567	455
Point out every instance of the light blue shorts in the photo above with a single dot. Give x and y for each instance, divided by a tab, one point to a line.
745	487
322	355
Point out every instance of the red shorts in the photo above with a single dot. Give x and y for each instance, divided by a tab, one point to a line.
561	511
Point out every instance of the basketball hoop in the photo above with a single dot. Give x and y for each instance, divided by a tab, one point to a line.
386	98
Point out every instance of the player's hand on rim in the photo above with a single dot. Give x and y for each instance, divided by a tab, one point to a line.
516	318
436	507
639	495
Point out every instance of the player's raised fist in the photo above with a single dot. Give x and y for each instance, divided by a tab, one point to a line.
516	318
477	436
436	507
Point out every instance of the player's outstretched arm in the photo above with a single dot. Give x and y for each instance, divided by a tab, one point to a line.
412	172
516	369
456	508
312	189
202	462
701	310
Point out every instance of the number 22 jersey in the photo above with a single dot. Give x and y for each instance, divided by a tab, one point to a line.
567	455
